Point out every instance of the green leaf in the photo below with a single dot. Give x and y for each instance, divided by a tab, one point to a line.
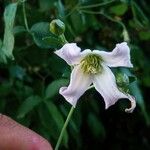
43	131
77	22
136	92
1	43
53	88
96	126
72	123
28	105
144	35
46	4
119	9
139	15
8	41
132	79
19	29
43	37
57	117
2	105
5	88
60	9
17	72
52	120
53	41
134	88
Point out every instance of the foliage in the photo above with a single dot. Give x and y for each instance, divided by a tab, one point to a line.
31	74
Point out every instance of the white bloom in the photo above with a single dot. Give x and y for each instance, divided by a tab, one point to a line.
92	67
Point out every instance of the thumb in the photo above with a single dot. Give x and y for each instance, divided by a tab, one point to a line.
14	136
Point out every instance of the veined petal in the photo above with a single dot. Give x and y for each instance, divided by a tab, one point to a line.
70	52
79	83
105	84
120	56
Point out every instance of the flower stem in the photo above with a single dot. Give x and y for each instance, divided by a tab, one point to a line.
96	5
104	15
25	17
63	39
64	128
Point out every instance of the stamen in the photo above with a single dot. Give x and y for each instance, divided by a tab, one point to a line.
91	64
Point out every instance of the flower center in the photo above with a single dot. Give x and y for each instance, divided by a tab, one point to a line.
91	64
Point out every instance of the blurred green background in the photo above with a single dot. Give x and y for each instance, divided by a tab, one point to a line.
31	74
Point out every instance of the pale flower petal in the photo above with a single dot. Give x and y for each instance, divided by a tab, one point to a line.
79	83
105	84
133	104
120	56
85	53
70	52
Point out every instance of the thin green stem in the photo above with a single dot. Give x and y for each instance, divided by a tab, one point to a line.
63	39
125	32
96	5
64	128
106	16
71	30
134	14
72	10
25	17
143	16
78	7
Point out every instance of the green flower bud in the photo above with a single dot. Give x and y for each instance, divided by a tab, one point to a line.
57	27
122	79
122	82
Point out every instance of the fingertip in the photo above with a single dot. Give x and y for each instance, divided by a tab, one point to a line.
15	136
39	143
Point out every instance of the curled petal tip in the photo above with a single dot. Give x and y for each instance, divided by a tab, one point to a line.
133	104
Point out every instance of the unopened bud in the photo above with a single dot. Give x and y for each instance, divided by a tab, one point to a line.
57	27
123	82
122	79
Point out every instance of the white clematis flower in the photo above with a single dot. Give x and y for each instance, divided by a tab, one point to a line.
92	67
